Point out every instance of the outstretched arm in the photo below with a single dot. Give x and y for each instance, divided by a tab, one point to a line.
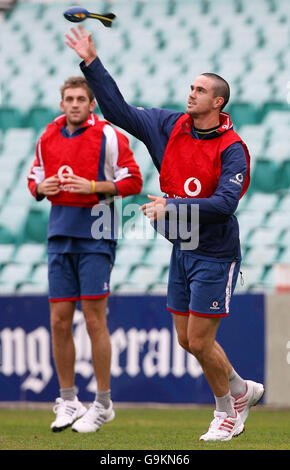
112	103
152	126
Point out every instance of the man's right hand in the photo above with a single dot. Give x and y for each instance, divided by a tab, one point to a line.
83	44
49	187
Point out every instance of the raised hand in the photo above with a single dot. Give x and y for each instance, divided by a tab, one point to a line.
82	43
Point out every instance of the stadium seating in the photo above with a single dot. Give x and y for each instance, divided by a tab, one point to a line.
154	50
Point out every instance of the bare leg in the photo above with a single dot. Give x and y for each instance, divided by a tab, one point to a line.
61	318
202	344
181	325
223	356
95	315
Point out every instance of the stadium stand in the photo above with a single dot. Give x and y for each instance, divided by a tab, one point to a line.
154	50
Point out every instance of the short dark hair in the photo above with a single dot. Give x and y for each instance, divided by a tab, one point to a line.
77	82
221	87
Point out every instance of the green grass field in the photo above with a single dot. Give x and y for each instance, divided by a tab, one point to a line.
143	428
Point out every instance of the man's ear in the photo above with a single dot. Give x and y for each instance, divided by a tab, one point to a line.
219	101
61	105
92	105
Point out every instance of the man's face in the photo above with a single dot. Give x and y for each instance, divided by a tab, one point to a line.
76	105
201	100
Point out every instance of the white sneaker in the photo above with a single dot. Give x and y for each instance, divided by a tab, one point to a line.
252	396
223	427
66	413
94	418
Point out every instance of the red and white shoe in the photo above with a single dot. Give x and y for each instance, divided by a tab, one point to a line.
251	397
223	427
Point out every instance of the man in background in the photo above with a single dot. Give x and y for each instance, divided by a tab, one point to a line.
81	163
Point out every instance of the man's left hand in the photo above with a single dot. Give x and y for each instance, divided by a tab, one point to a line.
77	184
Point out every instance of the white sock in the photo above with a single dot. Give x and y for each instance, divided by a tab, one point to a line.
225	404
238	385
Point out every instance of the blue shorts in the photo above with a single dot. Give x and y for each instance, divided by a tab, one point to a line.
78	276
200	287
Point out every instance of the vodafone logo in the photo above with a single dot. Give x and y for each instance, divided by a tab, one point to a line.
197	184
64	170
215	306
239	177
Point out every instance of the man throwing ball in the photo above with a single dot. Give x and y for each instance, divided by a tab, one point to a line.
203	163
